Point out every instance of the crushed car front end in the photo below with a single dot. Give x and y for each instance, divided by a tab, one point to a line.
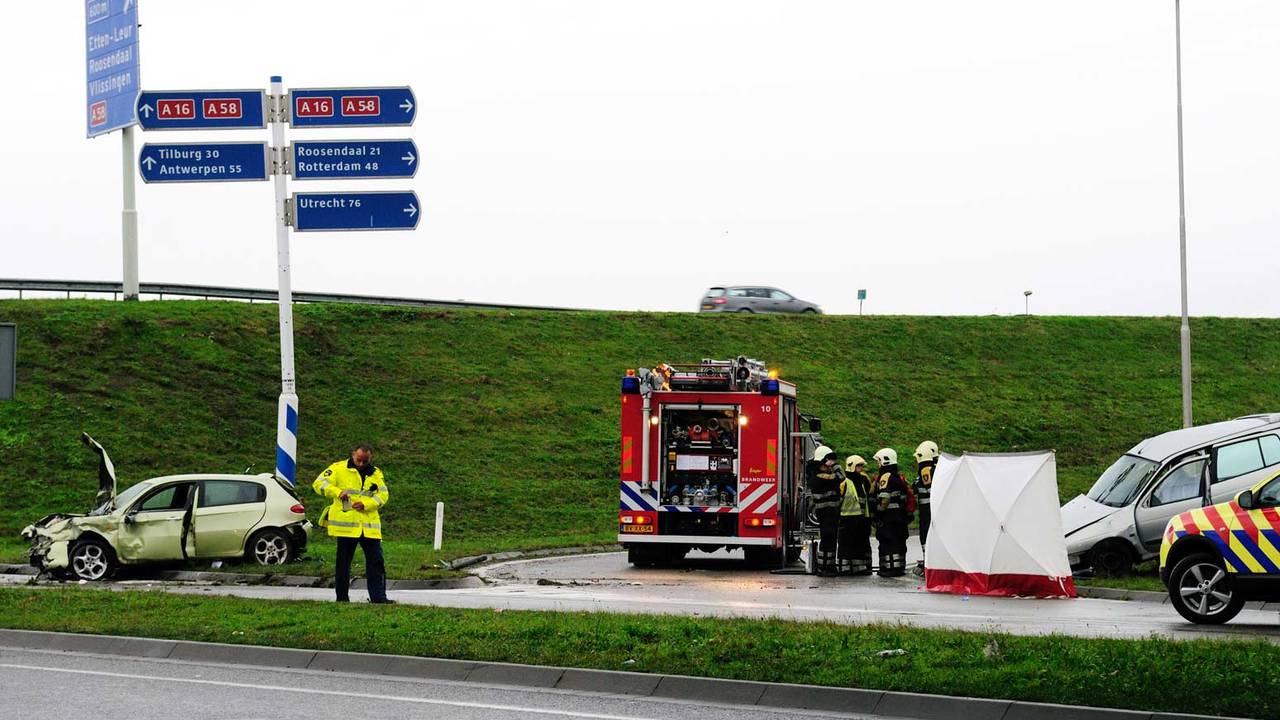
50	539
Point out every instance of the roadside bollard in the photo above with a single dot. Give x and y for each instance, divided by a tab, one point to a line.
439	524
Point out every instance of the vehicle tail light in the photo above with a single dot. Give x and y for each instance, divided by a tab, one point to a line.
643	520
628	519
298	509
719	301
761	522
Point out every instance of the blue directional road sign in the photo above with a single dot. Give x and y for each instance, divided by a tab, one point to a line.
355	211
203	162
111	63
351	107
337	159
202	109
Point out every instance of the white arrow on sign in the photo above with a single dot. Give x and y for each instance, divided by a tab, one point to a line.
409	158
150	162
412	210
146	110
406	105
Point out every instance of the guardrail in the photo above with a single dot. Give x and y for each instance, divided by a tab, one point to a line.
250	294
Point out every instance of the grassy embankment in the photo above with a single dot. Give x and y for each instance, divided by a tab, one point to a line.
1138	674
511	418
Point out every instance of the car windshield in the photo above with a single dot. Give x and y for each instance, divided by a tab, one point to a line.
1120	484
122	500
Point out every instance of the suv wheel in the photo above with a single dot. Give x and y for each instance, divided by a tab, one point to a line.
1200	591
92	559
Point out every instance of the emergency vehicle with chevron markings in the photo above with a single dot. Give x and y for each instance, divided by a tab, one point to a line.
713	456
1215	558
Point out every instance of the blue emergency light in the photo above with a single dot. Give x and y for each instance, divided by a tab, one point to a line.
769	387
631	385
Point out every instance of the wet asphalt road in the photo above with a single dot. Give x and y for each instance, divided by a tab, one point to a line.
719	585
60	685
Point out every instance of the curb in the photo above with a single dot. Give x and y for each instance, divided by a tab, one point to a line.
735	692
229	578
1107	593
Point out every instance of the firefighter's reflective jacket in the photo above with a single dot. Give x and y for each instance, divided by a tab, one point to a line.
341	517
892	497
923	485
824	487
853	492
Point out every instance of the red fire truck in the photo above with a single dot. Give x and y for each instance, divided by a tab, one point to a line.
713	456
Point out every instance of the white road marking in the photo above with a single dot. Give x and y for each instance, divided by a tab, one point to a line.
344	693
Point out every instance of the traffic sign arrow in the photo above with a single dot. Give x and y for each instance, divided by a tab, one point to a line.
412	209
409	158
146	110
149	162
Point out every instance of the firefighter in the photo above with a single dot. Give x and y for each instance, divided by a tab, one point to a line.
926	461
356	489
824	499
891	513
854	549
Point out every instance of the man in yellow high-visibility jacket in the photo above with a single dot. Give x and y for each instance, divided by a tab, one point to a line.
357	490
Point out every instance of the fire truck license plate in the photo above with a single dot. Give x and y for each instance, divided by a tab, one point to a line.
637	528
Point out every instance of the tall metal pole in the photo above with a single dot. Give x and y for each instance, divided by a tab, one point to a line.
129	216
1182	227
287	415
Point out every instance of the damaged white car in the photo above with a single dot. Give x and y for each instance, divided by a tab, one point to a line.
173	518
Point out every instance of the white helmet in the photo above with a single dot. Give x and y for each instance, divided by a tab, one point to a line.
852	462
927	450
887	456
821	453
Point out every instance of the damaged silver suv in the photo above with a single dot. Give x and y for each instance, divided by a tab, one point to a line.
173	518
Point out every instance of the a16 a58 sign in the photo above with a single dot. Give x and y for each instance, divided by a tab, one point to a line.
351	107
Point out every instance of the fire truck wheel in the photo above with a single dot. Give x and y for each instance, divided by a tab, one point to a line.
645	556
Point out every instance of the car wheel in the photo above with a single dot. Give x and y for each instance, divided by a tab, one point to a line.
1111	558
810	311
1200	590
746	310
92	559
269	547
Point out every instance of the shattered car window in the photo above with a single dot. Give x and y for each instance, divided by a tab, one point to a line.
122	500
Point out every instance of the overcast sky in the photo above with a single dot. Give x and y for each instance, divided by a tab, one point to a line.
943	155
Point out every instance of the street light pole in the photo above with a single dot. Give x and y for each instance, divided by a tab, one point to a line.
1182	227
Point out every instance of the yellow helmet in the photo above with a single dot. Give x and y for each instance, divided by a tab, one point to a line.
821	453
927	450
852	462
887	456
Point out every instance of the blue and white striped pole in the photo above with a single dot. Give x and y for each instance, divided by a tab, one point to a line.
287	415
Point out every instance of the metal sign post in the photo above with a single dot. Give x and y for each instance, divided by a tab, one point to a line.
287	415
112	75
1185	330
862	295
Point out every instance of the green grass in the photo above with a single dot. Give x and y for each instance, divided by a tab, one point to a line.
511	418
1139	674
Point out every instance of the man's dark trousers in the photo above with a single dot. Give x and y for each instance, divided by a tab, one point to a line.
375	571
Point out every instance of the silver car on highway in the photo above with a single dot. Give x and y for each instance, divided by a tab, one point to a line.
754	299
1121	520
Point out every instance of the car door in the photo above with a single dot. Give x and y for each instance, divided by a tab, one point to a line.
1239	464
1180	489
761	300
226	510
782	302
157	526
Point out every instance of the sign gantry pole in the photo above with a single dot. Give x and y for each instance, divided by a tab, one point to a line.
287	415
129	217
